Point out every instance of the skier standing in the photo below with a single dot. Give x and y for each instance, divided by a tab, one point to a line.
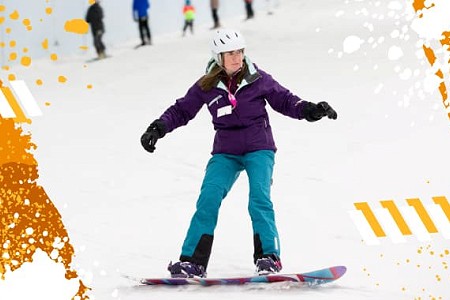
235	92
189	16
94	17
140	15
249	9
214	8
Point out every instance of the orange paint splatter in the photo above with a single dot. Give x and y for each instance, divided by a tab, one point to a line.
39	82
26	210
445	39
12	44
25	61
48	10
440	74
443	91
62	79
419	5
78	26
14	15
26	22
430	54
11	77
45	44
13	56
2	8
54	57
2	19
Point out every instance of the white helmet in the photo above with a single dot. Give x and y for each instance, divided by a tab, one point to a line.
225	40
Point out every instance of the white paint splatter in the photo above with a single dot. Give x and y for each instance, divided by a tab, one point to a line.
431	83
352	43
339	13
378	88
405	74
44	279
395	5
434	22
395	53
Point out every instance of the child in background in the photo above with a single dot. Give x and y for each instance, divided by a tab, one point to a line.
189	16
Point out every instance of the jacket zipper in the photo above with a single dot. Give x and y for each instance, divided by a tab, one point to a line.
215	100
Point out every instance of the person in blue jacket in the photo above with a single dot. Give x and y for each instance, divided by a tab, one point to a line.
236	92
140	15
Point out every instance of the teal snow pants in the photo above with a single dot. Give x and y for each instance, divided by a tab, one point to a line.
221	173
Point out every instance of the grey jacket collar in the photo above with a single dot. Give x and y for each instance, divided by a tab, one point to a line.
251	76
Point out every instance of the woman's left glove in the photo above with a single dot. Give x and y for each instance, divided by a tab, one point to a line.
155	131
314	112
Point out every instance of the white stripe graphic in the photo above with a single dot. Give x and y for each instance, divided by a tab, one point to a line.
415	223
25	97
5	109
363	227
440	220
389	226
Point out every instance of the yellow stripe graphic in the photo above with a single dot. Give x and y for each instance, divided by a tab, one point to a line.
423	214
20	116
5	110
397	222
371	219
445	206
25	97
397	216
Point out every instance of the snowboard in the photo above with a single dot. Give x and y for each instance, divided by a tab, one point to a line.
312	278
97	59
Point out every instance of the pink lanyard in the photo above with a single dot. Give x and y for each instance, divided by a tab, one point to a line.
231	96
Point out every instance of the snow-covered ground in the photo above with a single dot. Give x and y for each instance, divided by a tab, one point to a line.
127	211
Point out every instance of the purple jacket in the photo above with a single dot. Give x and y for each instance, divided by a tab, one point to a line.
245	128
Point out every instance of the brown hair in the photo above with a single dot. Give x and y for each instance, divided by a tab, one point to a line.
217	73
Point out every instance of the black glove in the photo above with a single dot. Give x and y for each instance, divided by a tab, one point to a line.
314	112
155	131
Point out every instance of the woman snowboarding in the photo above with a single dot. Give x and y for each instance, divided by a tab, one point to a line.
236	92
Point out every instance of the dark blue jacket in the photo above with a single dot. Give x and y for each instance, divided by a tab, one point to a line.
94	16
140	8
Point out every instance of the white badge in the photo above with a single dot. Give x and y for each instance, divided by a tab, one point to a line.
223	111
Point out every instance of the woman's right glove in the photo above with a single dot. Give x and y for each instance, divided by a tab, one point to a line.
155	131
314	112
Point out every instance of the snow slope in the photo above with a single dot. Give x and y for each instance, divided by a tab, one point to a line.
127	211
